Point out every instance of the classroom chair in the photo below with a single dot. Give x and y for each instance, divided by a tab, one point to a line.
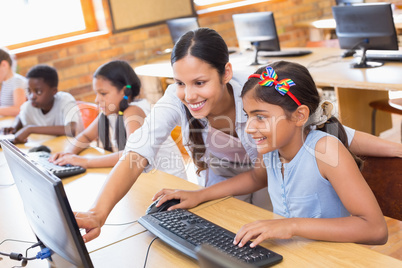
393	106
384	176
89	111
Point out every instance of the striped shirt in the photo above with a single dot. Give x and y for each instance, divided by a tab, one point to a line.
8	87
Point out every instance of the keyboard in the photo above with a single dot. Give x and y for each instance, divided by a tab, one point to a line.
284	53
60	171
186	231
383	55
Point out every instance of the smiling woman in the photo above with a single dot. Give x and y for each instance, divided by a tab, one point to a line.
44	20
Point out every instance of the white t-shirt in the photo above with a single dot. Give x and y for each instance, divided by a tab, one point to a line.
168	157
64	111
9	86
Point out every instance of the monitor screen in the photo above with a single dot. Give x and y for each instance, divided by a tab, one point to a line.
178	27
365	26
259	29
47	209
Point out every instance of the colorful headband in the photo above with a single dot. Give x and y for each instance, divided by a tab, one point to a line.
128	86
125	97
269	78
121	113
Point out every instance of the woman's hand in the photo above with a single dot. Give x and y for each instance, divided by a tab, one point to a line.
262	230
188	199
63	159
90	222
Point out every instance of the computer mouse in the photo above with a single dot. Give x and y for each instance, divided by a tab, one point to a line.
40	148
153	208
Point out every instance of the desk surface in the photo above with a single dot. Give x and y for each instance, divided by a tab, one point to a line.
126	245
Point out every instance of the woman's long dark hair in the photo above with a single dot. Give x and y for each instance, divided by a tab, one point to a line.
207	45
122	76
305	91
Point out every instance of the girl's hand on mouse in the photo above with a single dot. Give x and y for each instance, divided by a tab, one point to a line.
90	222
263	230
71	159
188	199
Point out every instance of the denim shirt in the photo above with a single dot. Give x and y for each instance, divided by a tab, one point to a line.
168	113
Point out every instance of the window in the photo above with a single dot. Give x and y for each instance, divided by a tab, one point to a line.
203	6
29	22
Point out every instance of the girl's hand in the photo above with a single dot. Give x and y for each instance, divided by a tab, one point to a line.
71	159
56	156
90	222
8	130
188	199
262	230
22	135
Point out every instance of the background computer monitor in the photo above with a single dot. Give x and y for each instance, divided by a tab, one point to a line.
348	2
258	28
178	27
366	26
47	209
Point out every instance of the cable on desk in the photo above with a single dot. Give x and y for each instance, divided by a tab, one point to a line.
146	256
7	185
120	224
314	64
43	254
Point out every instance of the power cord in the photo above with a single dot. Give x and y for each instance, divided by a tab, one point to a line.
7	185
43	254
146	256
120	224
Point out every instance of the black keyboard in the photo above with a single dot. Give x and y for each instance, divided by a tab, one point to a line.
284	53
42	158
185	231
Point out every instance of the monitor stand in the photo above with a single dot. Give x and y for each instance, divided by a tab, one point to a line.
363	63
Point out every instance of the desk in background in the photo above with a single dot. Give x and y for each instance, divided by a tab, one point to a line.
324	28
354	88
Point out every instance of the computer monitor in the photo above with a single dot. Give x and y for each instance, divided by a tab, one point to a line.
258	28
47	209
178	27
365	26
348	2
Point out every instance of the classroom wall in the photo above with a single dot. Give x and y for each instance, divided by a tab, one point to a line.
76	62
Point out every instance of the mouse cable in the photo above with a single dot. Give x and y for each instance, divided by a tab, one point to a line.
7	185
326	61
146	256
120	224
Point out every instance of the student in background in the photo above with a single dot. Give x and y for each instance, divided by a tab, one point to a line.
313	179
117	89
205	101
13	86
47	111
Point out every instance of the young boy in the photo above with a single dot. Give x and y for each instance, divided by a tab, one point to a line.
47	111
13	86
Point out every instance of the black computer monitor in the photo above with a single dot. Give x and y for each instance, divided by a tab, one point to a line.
178	27
258	28
47	209
348	2
366	26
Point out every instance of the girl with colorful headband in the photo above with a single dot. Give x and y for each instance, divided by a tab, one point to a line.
313	180
117	88
205	101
